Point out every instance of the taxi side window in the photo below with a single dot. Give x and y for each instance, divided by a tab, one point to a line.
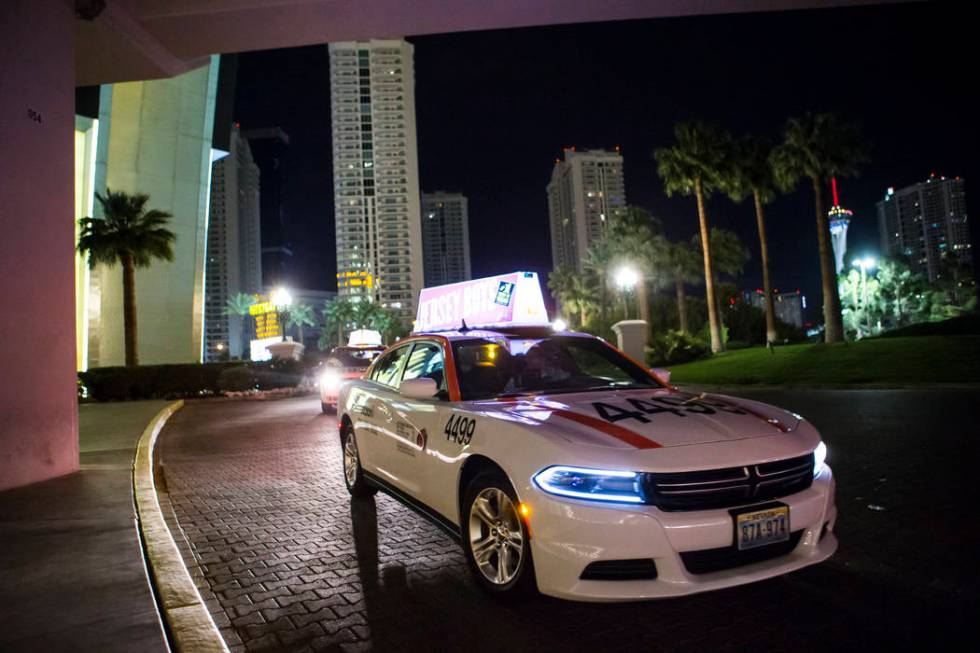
389	367
426	362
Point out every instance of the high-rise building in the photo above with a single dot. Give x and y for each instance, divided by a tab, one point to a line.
788	306
585	191
445	238
840	219
234	259
927	223
270	146
375	173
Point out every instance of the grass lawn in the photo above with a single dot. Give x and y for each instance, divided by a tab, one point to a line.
899	361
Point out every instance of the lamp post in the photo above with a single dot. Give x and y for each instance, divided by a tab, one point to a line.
626	279
281	299
864	264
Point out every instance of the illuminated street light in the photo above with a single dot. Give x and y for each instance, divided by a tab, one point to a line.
559	324
864	264
281	299
626	279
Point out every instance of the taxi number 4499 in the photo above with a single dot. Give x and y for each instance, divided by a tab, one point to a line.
459	429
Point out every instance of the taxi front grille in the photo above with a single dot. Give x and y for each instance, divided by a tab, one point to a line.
728	487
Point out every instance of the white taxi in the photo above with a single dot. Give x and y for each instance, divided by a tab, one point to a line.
347	363
564	466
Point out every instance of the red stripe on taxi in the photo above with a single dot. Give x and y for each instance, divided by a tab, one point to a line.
618	432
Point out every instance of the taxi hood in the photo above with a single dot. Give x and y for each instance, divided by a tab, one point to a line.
645	419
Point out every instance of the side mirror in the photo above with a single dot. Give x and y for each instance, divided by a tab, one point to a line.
422	388
662	374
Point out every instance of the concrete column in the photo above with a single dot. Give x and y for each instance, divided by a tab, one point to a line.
38	406
632	338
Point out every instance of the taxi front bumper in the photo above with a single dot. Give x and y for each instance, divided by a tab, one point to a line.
569	535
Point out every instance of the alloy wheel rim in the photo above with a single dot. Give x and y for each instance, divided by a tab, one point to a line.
495	536
350	459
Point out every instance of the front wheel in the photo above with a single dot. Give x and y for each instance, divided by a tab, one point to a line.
353	474
496	539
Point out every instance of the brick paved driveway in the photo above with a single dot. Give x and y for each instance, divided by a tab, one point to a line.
290	563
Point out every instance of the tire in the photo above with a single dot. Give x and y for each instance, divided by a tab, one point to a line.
354	479
328	409
495	524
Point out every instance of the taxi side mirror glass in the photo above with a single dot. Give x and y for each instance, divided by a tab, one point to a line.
421	388
662	374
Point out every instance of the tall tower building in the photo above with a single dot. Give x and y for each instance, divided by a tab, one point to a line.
269	147
234	256
445	238
839	218
927	223
585	191
375	173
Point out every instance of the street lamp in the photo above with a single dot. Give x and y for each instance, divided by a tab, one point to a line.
865	264
281	299
626	279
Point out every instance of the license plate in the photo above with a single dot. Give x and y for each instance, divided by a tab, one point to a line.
762	527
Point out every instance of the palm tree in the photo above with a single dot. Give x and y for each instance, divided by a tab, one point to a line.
683	261
338	313
368	315
750	173
573	292
238	305
598	258
298	316
693	166
559	283
728	254
132	235
635	236
818	147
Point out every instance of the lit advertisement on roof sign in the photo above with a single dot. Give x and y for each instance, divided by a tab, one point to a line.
512	299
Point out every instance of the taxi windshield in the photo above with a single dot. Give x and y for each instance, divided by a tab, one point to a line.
356	357
508	367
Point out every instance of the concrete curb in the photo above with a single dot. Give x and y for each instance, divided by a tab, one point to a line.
188	620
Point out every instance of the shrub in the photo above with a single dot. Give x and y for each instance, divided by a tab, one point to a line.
187	380
237	379
674	347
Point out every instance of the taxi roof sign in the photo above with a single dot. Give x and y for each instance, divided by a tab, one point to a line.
512	299
364	338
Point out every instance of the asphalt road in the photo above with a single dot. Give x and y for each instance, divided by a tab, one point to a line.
290	563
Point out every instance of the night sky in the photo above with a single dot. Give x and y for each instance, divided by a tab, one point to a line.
495	108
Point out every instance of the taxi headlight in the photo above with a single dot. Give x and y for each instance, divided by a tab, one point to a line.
592	484
330	380
819	458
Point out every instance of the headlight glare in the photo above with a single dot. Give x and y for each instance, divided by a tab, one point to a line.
591	484
819	458
330	379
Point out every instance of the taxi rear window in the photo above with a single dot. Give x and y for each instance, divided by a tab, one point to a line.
357	357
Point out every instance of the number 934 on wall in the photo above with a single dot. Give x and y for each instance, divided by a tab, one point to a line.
567	468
